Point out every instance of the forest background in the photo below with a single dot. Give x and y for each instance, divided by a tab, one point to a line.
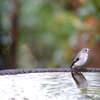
48	33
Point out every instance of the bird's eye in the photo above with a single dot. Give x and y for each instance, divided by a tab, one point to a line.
86	50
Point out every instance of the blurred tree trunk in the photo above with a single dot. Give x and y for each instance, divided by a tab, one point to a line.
8	56
14	32
1	53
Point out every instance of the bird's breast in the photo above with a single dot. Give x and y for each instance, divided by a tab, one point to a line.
82	60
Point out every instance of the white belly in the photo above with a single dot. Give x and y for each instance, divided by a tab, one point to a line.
82	60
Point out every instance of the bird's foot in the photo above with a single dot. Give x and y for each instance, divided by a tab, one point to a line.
84	68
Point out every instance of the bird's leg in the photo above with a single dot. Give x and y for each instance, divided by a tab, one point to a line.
83	67
79	69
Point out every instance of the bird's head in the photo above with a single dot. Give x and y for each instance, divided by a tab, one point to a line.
85	50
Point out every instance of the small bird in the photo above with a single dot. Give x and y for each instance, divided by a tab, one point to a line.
81	58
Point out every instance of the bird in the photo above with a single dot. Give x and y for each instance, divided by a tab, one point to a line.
80	59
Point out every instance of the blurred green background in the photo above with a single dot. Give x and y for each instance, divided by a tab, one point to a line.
48	33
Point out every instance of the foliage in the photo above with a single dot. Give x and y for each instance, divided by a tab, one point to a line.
48	31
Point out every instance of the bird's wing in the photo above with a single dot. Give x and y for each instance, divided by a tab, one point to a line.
75	60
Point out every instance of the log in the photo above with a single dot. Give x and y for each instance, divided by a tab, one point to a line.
43	70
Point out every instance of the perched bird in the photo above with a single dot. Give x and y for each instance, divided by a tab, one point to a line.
81	58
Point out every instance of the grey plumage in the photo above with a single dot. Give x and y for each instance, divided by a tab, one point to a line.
81	58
